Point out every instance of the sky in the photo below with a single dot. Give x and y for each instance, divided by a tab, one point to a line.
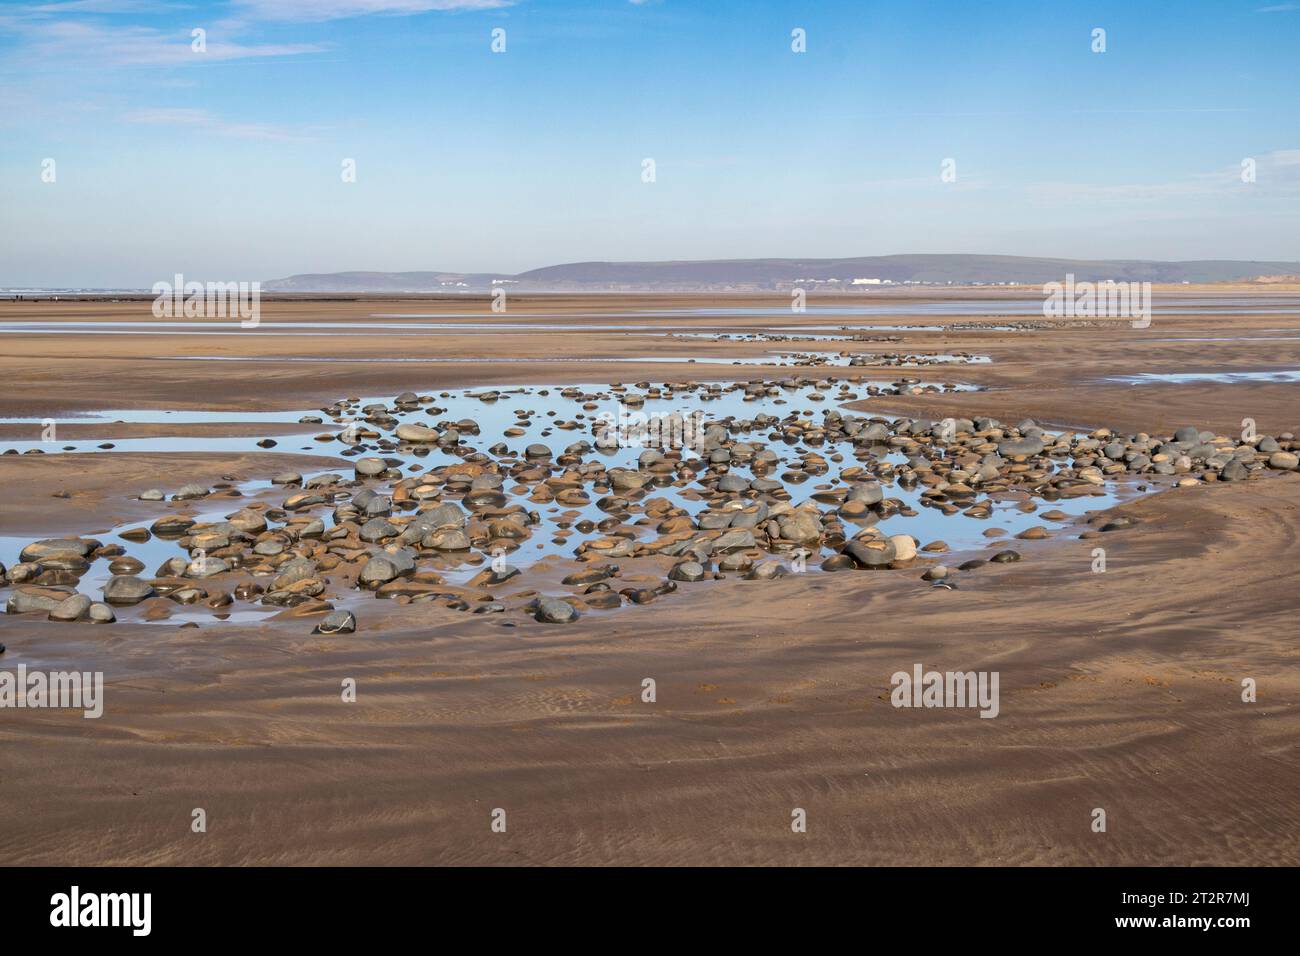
132	149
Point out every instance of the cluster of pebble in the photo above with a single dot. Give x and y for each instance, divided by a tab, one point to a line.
1036	325
848	336
866	360
688	514
899	358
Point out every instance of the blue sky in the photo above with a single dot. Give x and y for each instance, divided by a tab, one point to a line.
226	164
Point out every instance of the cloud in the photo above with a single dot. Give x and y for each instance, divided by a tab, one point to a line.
1276	172
1284	157
342	9
72	32
78	44
1279	8
16	15
199	119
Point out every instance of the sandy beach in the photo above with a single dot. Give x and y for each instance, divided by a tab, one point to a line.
1119	690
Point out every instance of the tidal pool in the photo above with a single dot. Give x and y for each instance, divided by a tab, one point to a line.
547	408
1221	378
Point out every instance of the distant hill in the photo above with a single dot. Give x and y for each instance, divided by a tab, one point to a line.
772	274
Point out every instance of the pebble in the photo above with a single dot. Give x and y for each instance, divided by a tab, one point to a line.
57	548
337	622
206	567
72	608
550	610
492	577
1233	471
126	590
101	613
171	526
591	575
687	571
417	433
904	547
766	571
871	555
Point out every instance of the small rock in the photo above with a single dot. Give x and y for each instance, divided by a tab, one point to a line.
904	547
1021	448
490	577
205	566
101	613
591	575
766	571
126	589
1233	471
839	562
688	571
551	610
171	526
603	600
872	555
417	434
73	608
337	622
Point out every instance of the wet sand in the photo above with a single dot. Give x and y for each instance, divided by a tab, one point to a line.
1119	690
100	491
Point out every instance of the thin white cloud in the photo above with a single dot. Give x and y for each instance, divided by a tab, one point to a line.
79	44
200	119
314	10
1276	171
15	15
1279	8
